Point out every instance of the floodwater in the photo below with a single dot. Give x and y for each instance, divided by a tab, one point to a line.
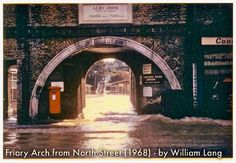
109	127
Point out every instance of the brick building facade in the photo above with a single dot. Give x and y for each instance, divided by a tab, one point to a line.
35	34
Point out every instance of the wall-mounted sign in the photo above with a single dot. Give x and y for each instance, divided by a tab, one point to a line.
59	84
218	64
105	13
218	72
147	91
152	79
217	41
220	59
147	68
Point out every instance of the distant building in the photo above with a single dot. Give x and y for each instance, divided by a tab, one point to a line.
88	89
12	90
120	87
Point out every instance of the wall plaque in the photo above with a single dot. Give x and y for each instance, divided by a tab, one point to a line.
147	68
147	91
105	13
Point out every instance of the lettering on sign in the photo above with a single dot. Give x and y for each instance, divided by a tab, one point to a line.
218	72
105	13
221	59
217	41
152	79
218	64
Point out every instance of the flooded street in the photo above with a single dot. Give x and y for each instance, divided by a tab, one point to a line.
110	123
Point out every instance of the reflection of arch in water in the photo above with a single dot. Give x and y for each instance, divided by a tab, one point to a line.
91	42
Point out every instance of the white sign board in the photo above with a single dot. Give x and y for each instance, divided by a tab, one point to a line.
147	68
58	84
147	91
53	97
217	41
105	13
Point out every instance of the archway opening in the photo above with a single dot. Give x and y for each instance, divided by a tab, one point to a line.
108	89
77	74
71	64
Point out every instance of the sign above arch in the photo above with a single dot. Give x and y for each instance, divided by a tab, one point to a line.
92	42
105	13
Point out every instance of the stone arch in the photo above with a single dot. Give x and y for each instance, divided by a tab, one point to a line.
98	41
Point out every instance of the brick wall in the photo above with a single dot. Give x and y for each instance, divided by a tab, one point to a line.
159	14
9	15
10	48
207	14
53	15
67	14
169	47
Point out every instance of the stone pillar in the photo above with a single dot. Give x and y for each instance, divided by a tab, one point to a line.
83	92
5	95
193	56
80	94
187	82
5	92
23	64
133	90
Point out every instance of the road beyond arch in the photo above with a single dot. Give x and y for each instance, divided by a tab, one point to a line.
91	42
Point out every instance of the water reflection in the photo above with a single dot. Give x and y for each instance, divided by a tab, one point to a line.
115	126
100	106
107	112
